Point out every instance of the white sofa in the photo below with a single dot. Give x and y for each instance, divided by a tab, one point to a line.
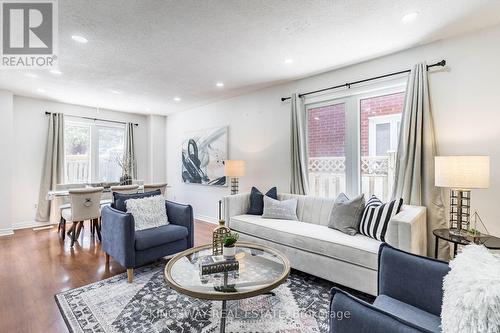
314	248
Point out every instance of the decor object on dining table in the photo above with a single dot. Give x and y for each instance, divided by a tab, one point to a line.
234	169
461	174
219	233
126	163
229	250
203	155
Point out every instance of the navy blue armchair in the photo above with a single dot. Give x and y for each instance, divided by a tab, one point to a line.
410	294
133	248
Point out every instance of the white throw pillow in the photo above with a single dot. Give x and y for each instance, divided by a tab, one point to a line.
275	209
471	300
148	212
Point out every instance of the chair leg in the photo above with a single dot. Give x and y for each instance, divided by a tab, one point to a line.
60	223
79	229
130	275
63	234
97	229
107	259
73	233
71	229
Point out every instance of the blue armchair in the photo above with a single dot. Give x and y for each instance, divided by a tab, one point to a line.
135	248
410	295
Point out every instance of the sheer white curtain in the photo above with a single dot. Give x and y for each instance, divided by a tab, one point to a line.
53	167
414	173
299	174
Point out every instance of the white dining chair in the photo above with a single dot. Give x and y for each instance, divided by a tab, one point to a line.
63	203
156	186
125	189
85	205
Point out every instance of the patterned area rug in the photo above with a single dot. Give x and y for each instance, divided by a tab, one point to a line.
149	305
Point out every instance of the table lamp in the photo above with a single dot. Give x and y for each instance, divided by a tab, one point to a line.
461	174
234	169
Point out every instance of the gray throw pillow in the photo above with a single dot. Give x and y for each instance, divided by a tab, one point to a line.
284	210
346	214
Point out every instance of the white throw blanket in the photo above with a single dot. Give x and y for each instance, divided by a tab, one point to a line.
471	302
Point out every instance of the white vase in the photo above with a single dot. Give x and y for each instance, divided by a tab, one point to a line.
229	252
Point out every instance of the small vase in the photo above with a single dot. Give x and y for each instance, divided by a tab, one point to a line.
229	252
126	180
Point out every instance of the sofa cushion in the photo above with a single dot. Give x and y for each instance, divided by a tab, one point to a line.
148	212
409	313
346	214
276	209
120	198
318	239
257	200
148	238
311	209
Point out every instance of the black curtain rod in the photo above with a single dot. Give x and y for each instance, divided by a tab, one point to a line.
348	85
95	119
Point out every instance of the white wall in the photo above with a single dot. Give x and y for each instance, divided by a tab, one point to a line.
6	120
29	138
157	150
465	100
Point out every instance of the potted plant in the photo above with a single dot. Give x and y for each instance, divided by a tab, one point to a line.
126	163
229	241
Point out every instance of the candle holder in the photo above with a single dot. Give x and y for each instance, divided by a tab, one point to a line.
219	233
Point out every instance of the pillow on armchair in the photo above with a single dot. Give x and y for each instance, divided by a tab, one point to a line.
149	212
119	199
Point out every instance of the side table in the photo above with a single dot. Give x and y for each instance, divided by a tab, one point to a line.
490	242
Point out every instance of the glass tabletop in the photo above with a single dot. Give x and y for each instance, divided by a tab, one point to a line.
261	269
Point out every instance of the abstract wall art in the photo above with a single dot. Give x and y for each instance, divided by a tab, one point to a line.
203	155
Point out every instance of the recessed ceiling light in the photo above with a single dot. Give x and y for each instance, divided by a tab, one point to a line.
79	39
409	17
177	99
55	72
40	90
316	118
289	61
220	84
117	92
32	75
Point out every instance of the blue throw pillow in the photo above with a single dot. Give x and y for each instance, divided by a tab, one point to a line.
257	200
120	198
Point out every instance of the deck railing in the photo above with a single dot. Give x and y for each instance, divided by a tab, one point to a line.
77	169
327	176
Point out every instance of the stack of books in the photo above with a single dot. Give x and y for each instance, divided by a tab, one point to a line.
217	264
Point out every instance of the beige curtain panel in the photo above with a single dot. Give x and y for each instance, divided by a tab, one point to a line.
130	150
414	173
53	167
299	174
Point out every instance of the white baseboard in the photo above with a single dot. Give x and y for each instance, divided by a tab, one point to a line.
6	232
29	224
206	218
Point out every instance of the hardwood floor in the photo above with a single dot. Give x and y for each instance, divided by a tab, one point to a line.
36	265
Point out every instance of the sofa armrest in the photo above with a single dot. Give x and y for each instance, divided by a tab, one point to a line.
411	279
118	235
351	315
180	214
236	204
407	230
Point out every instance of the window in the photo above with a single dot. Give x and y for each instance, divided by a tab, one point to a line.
352	142
92	151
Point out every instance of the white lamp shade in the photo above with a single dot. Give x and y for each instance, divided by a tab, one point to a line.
234	168
462	172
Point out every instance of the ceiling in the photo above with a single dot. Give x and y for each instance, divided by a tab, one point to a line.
141	54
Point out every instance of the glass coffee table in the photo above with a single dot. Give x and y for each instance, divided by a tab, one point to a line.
261	269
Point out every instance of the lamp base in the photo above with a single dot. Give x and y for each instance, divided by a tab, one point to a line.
234	186
459	211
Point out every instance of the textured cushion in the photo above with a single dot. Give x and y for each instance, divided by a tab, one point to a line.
357	249
376	217
148	238
311	209
346	214
120	198
408	313
275	209
257	200
148	212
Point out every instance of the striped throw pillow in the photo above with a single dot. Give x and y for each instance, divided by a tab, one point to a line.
376	217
